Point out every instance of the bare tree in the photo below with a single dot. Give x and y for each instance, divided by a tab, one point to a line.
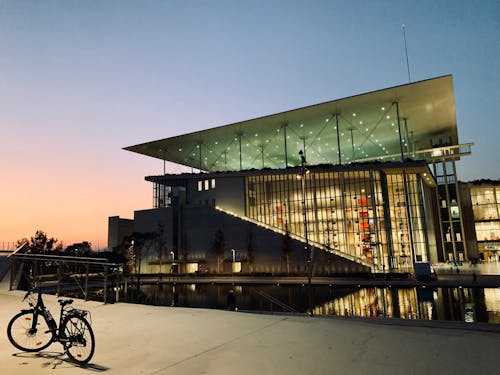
219	247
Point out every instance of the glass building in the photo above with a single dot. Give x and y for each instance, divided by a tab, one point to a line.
369	180
485	199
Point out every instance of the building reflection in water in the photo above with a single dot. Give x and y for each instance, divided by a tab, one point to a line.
455	304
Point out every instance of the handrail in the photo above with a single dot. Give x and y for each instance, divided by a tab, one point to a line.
65	262
19	248
67	258
339	253
275	301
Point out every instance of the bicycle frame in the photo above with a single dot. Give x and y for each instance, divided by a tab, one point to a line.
39	308
35	329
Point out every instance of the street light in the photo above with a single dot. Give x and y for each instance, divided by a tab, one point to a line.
304	172
234	259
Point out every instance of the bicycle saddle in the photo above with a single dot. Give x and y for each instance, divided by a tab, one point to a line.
64	302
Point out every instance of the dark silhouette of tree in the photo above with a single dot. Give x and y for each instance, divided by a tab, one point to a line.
132	249
219	247
250	255
40	243
287	248
161	244
83	249
184	249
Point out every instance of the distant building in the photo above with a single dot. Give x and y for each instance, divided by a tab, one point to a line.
118	229
485	201
360	184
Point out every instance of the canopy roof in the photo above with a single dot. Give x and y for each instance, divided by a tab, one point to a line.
368	129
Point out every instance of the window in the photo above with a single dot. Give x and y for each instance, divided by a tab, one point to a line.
213	183
207	186
200	185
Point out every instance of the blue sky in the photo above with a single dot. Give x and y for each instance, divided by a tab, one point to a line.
82	79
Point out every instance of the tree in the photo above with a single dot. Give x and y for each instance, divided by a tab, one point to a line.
133	247
83	249
287	248
219	247
250	248
161	244
40	243
184	249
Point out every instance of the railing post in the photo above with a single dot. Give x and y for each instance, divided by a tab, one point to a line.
13	271
117	289
86	281
105	283
59	273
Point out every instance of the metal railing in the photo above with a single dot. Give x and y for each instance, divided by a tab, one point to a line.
55	270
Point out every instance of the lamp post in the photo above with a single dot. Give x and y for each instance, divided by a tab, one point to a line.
304	172
172	254
234	259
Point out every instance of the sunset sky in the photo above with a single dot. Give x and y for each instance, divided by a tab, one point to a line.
80	80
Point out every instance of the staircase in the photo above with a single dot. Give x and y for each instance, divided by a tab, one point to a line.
301	239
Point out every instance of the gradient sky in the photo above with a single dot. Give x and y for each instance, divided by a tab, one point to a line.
79	80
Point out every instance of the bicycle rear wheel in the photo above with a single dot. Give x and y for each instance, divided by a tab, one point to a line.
29	337
79	342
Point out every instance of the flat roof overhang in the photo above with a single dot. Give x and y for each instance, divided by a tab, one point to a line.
389	168
365	126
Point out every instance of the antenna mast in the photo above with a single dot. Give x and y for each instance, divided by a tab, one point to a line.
406	53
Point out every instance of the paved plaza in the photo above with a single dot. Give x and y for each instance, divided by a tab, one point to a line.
139	339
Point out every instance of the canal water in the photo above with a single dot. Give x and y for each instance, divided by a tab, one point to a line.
453	304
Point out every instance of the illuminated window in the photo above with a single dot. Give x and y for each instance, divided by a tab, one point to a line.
213	183
200	185
207	184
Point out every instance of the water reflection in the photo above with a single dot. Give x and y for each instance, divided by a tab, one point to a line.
457	304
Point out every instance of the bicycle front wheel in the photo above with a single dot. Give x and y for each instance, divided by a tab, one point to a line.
27	335
79	342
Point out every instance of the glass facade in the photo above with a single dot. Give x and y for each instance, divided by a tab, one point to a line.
485	199
373	216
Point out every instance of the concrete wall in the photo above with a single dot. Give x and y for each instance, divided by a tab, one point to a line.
229	193
118	229
201	224
198	228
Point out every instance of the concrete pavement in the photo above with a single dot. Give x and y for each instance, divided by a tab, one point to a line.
139	339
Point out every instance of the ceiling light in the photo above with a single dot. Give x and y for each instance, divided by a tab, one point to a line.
354	115
383	108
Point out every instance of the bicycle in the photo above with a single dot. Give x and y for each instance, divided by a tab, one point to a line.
34	329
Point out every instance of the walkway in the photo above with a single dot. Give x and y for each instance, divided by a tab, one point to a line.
138	339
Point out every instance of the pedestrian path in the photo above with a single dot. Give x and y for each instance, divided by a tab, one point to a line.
140	339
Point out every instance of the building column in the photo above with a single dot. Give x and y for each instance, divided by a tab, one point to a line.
399	132
284	126
199	155
239	135
352	144
338	137
262	154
